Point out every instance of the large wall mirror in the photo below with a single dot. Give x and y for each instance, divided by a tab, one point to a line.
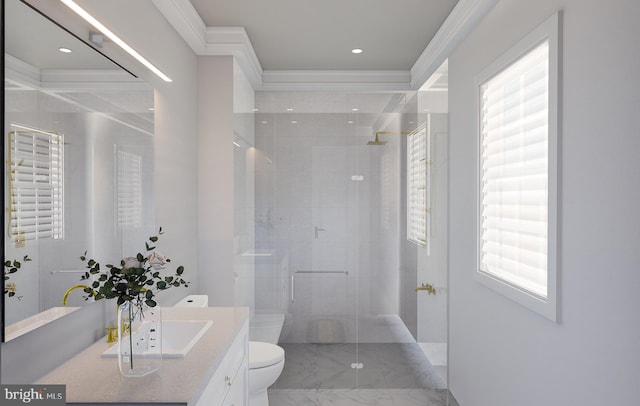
78	173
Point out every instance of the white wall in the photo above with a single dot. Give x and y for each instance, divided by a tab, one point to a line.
502	354
176	178
215	182
223	90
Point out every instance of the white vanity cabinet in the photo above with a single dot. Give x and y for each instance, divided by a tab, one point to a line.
229	385
238	391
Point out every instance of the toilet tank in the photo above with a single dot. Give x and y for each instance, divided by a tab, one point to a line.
193	301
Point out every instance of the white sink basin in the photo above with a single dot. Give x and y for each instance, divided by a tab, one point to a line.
178	337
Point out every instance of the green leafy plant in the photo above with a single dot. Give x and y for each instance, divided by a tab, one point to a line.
11	267
134	280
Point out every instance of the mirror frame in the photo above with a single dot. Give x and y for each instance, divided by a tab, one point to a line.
2	182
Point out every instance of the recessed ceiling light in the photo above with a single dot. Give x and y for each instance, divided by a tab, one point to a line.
356	51
354	109
64	50
350	122
265	122
289	109
256	109
151	109
294	122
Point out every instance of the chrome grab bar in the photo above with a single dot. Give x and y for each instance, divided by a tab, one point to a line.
293	279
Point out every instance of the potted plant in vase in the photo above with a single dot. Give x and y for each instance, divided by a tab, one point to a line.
134	283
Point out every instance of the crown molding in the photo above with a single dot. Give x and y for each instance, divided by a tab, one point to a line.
28	76
21	73
234	41
464	17
338	80
335	87
187	22
63	80
212	41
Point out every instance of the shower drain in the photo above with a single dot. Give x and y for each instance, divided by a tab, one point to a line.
357	365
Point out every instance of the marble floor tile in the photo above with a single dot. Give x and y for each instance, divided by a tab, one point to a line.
384	365
394	373
292	397
330	397
422	397
359	397
325	366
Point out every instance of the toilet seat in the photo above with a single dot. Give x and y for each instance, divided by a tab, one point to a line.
263	355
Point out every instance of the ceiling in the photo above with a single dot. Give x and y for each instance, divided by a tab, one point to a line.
319	35
33	39
84	80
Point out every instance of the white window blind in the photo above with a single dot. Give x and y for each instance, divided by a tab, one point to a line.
514	122
417	186
36	184
129	186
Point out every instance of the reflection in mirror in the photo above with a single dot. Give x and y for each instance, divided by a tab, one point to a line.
78	148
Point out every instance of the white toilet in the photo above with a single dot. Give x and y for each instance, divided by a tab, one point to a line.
266	362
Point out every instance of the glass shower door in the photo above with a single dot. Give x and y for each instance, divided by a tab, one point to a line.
329	208
328	275
314	194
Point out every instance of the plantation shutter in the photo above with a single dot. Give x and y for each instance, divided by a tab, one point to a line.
514	172
129	190
36	185
417	187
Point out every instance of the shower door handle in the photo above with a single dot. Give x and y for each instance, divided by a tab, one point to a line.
316	230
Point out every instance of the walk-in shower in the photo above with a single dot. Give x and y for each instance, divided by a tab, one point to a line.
329	241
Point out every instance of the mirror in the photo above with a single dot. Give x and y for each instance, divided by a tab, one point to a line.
78	173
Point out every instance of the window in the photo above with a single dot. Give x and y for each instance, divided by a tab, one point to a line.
517	173
36	184
417	186
129	186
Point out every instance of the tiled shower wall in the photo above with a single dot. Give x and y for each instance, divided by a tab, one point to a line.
327	213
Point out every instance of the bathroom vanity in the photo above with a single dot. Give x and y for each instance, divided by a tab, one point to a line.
214	372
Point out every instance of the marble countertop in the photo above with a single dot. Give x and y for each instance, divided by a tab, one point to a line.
91	379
